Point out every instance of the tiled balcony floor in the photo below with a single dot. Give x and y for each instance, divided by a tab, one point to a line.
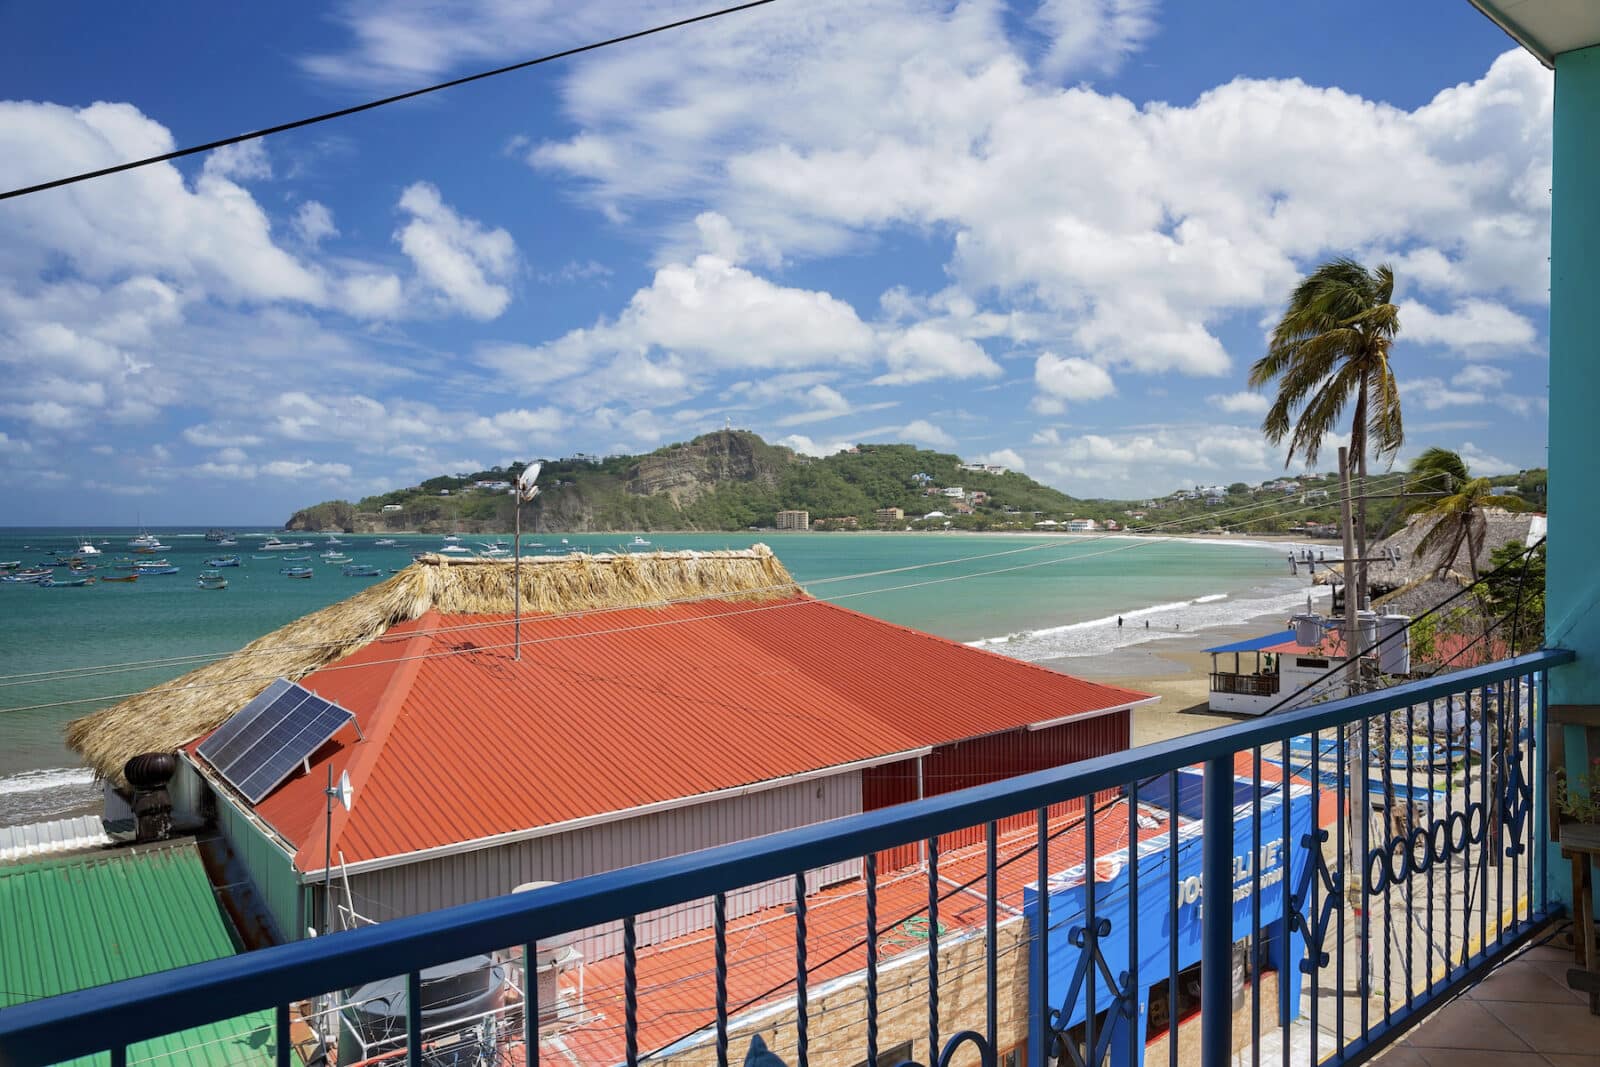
1521	1014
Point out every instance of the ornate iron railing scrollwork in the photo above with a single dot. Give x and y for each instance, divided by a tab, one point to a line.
1391	862
1124	1003
1315	929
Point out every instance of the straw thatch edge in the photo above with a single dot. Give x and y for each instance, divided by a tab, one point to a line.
170	715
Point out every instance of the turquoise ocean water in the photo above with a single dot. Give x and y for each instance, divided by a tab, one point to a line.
1046	600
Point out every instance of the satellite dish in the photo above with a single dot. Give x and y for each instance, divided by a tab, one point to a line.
526	489
346	793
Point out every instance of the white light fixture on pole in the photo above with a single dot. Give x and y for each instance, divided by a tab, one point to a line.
526	490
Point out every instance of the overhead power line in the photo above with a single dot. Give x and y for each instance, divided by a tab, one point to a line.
328	116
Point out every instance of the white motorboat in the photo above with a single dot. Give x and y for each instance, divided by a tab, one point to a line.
86	549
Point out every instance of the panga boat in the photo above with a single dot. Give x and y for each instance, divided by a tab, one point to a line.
53	582
297	572
387	542
336	558
272	544
161	568
638	542
211	580
296	559
36	575
361	570
10	564
120	578
223	561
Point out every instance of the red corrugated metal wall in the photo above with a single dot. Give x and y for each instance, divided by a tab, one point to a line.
988	759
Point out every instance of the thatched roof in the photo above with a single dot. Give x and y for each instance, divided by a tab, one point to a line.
1500	527
170	715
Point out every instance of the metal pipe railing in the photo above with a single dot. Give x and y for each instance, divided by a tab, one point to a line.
110	1018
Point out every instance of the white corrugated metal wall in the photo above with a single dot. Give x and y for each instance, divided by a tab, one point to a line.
459	879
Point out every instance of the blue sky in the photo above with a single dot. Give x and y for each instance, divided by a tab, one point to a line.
1052	234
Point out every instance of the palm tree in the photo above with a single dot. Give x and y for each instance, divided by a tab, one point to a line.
1457	520
1437	471
1332	344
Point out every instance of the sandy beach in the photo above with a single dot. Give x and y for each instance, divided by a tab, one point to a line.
1174	669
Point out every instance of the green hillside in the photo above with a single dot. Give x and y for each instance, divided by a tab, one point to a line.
734	480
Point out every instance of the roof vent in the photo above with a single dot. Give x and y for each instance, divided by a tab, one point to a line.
148	776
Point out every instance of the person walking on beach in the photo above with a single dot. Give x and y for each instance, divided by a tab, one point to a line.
1119	622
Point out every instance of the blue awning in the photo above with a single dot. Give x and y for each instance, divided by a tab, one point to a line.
1254	644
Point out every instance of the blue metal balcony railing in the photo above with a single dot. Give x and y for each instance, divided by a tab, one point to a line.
1088	957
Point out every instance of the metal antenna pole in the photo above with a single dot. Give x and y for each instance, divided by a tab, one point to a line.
327	859
516	581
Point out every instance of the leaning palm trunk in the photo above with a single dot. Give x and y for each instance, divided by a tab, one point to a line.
1358	444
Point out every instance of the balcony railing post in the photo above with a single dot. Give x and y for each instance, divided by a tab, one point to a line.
1216	914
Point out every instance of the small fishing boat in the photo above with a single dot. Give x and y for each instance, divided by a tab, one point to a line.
223	561
253	556
227	542
638	542
51	583
124	563
144	540
451	539
361	570
387	542
295	559
211	580
120	578
26	577
165	568
215	534
493	551
337	558
297	572
333	540
10	564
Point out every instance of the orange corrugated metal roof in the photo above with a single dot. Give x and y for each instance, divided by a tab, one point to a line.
615	710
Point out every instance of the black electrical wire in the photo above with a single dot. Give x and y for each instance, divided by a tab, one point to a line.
371	104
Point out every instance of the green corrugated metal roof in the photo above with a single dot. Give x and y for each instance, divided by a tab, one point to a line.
73	923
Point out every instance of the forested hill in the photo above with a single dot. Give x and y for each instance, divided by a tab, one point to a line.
727	480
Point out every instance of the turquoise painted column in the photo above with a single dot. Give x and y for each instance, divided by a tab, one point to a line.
1572	599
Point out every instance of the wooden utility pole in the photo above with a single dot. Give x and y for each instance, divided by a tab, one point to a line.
1356	739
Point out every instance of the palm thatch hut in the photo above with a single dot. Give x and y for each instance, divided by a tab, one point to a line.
170	715
1411	571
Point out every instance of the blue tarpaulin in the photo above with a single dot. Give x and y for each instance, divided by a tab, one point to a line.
1255	644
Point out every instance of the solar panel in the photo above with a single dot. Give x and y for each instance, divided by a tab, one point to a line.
263	742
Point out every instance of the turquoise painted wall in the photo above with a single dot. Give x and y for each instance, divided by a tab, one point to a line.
1572	599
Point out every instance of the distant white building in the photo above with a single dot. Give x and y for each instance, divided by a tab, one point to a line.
794	520
393	507
1081	526
492	486
1314	496
955	492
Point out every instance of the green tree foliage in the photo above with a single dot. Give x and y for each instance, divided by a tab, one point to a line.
1513	590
